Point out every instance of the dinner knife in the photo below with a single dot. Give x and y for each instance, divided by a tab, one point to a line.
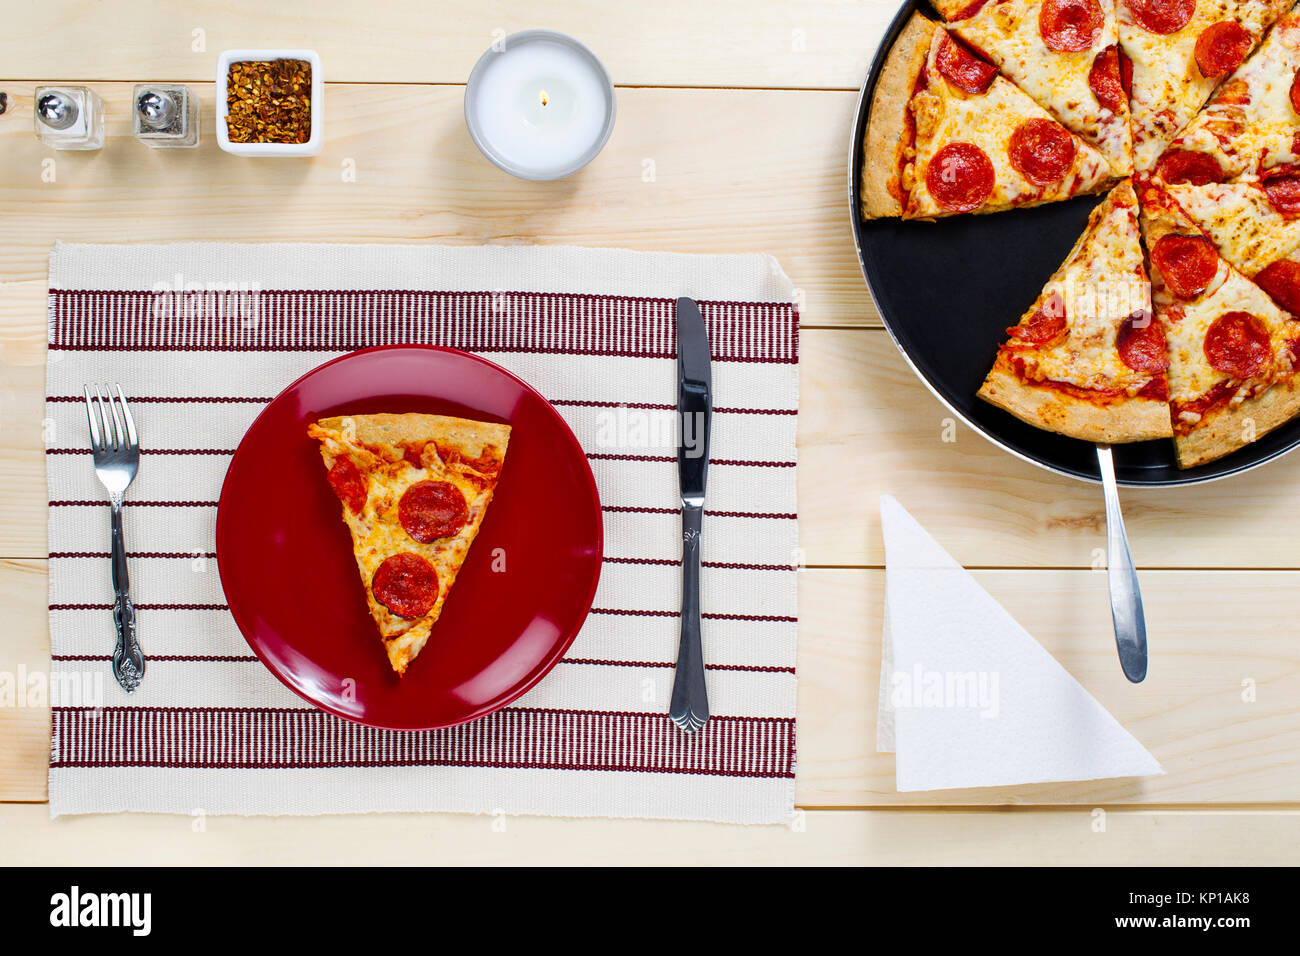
1125	595
689	707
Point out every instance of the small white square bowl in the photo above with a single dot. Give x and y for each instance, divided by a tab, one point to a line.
317	139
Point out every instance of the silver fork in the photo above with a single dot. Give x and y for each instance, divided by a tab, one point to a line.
116	452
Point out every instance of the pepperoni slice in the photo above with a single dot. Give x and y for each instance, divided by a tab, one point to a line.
1070	26
1295	92
1237	344
1042	151
1189	166
960	177
962	68
1162	16
1284	193
406	584
348	483
1188	263
1046	324
1104	79
1281	280
430	510
968	11
1141	343
1221	47
1125	73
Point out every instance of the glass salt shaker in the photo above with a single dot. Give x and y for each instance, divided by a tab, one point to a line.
166	115
69	117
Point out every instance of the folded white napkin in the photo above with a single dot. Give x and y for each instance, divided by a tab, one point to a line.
967	697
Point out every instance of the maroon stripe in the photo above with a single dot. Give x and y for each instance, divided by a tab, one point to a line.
564	402
513	738
638	612
252	659
339	321
631	509
183	556
749	668
177	555
624	612
149	451
594	456
168	399
666	407
142	607
601	456
708	564
185	658
97	503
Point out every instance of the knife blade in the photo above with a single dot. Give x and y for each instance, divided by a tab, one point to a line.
689	707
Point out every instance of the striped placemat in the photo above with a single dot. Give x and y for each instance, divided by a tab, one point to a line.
202	336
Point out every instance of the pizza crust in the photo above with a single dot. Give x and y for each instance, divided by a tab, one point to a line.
887	127
1134	419
468	437
1224	432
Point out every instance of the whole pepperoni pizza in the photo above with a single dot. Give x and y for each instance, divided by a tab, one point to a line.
413	489
1175	314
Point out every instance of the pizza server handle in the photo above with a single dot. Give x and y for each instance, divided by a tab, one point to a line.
1125	594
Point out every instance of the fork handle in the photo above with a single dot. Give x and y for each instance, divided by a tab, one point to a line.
128	659
689	707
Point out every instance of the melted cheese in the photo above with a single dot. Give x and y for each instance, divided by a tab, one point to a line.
1008	34
1241	221
944	114
1250	124
1190	373
1102	283
1191	376
1168	88
377	531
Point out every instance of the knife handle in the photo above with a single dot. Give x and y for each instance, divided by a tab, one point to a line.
689	708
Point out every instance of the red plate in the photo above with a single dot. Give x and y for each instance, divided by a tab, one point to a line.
286	563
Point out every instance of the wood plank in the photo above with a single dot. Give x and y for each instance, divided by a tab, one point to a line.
718	179
755	43
867	427
1215	747
844	837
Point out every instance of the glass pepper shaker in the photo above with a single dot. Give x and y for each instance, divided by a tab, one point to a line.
69	117
166	115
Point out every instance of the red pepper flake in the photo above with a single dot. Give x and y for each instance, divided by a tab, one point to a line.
269	101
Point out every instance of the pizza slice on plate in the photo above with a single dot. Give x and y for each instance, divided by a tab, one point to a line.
1247	228
1249	127
1087	360
1180	51
1232	351
948	135
414	489
1064	54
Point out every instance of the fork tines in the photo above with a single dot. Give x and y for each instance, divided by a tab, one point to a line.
111	427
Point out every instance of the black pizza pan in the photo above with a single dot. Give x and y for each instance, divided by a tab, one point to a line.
947	291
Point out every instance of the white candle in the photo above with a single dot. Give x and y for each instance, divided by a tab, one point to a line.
541	106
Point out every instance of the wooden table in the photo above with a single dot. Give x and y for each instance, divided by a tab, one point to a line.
733	125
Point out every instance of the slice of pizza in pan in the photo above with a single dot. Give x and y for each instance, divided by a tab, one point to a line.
1180	51
1088	360
1064	54
948	135
1249	128
414	490
1258	234
1232	350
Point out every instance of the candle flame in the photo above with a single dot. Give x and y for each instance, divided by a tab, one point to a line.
544	98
